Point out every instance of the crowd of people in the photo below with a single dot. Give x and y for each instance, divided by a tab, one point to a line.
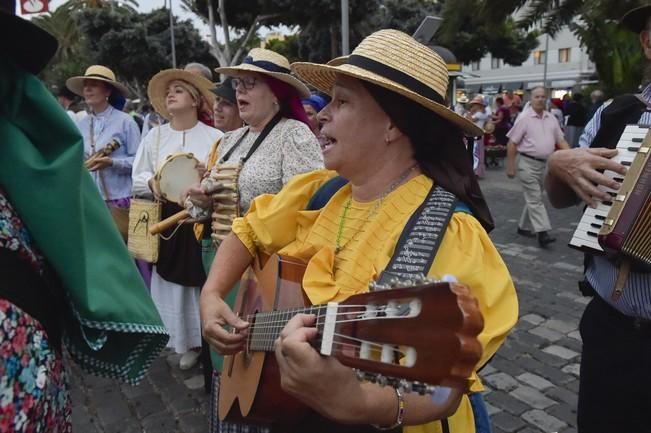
373	138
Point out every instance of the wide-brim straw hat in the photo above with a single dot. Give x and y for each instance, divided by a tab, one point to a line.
636	19
157	88
42	45
269	63
99	73
395	61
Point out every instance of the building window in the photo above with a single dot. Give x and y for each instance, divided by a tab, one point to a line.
475	65
538	57
564	55
495	63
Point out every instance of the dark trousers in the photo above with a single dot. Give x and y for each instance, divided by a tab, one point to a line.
615	383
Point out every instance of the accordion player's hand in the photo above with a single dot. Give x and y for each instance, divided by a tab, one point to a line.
582	170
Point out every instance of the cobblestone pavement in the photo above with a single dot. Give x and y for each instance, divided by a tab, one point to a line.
532	381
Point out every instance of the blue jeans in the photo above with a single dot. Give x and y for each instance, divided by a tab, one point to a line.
479	411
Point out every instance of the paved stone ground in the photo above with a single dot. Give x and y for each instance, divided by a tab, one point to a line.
532	381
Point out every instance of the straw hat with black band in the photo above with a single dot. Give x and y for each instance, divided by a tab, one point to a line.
269	63
99	73
395	61
157	88
636	19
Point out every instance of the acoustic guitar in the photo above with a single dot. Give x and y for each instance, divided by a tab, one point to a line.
414	336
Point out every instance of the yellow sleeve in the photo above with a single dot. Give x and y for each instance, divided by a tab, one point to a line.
467	253
270	224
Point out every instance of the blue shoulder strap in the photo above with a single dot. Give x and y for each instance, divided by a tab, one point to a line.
323	195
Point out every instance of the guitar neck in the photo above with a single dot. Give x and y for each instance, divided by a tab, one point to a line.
266	327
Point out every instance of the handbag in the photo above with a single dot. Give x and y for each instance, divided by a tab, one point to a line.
143	214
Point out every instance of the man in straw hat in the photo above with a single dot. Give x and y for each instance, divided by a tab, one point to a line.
390	135
614	391
66	278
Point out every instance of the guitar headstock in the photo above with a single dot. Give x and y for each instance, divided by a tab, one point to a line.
415	335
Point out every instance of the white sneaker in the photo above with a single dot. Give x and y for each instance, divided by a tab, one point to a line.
189	359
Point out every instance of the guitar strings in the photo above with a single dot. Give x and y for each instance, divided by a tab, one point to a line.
373	345
276	315
261	325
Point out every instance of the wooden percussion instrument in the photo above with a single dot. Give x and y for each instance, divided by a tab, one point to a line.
111	147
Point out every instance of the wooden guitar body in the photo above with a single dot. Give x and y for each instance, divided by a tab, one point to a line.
413	336
252	380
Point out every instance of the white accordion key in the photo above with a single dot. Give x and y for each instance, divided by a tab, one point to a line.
587	231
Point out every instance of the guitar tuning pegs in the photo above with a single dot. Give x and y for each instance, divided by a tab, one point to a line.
375	287
381	380
405	385
430	389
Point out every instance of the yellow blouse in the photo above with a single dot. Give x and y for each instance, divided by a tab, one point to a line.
369	234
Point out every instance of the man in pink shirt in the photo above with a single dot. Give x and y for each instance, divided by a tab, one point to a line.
533	138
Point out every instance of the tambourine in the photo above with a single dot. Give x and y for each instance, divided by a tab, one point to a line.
178	173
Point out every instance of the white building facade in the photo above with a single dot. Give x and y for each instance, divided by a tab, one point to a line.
568	67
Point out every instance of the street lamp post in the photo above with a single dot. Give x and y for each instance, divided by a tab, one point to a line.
345	45
172	36
546	61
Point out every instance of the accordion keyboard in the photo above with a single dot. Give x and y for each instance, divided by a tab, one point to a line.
586	235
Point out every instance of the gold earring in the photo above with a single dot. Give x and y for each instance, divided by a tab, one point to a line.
387	141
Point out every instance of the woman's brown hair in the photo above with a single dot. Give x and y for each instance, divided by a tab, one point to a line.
439	148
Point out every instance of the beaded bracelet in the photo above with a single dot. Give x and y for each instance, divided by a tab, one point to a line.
401	412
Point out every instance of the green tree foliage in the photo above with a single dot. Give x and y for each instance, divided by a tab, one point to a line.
616	52
69	58
288	47
470	30
137	45
405	15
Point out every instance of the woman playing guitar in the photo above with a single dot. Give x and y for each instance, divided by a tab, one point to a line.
391	136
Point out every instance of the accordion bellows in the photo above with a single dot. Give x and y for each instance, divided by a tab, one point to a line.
621	227
627	229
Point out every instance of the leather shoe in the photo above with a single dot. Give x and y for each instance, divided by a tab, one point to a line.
544	239
526	233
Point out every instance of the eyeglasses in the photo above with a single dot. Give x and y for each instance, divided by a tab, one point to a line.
247	82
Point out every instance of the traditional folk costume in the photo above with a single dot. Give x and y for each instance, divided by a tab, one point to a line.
66	278
287	148
281	224
178	275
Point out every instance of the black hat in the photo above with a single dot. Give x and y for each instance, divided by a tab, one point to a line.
42	45
636	19
225	90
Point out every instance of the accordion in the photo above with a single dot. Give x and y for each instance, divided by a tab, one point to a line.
621	227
